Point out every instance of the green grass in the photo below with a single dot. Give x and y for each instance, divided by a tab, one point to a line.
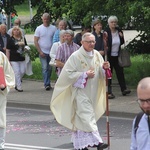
37	71
23	9
139	69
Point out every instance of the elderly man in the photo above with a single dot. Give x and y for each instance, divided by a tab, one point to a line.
79	97
17	22
140	139
4	38
43	41
55	46
61	26
65	50
7	81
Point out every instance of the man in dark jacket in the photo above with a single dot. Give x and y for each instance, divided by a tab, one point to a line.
4	37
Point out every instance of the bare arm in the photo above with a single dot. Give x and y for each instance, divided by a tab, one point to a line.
38	47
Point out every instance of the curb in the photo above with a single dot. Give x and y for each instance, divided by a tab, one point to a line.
27	105
47	108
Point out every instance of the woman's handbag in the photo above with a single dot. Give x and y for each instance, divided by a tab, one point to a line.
124	58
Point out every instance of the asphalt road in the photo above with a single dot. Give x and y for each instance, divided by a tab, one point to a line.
29	129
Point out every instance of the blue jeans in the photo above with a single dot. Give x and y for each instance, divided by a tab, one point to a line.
46	69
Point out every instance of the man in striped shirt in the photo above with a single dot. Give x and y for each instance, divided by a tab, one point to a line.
65	50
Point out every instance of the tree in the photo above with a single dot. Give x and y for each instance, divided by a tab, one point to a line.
8	5
133	12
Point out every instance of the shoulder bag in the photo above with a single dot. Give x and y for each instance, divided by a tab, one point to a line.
124	58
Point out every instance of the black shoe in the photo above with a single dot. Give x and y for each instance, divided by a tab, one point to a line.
84	149
102	146
111	96
47	88
16	88
125	92
19	90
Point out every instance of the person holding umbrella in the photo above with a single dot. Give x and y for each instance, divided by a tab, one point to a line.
79	97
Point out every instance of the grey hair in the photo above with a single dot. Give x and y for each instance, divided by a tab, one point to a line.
70	32
63	21
112	18
86	35
46	15
62	32
3	25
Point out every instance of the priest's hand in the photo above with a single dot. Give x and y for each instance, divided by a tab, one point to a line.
90	73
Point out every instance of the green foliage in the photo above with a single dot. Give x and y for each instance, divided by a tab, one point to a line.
12	5
35	2
139	69
37	70
140	12
133	12
23	9
33	53
141	46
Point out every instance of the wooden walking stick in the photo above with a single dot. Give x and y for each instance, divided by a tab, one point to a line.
108	76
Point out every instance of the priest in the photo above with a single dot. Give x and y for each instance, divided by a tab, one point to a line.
79	97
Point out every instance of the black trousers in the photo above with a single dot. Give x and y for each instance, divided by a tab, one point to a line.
113	60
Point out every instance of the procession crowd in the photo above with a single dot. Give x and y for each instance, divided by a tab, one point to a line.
82	63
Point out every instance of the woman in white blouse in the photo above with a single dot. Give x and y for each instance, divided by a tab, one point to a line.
55	46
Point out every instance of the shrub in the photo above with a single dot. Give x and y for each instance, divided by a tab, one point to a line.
33	53
138	70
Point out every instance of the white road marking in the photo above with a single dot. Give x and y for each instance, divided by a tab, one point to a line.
29	147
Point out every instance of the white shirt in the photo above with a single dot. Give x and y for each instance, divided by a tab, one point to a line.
54	49
45	35
115	44
142	139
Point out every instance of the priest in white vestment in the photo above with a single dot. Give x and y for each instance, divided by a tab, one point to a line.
79	97
9	79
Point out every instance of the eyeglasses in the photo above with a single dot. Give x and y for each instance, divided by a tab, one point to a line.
90	42
142	101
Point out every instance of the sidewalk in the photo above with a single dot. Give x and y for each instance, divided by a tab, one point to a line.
35	96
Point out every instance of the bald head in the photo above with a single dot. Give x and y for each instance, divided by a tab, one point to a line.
17	22
144	84
143	88
143	93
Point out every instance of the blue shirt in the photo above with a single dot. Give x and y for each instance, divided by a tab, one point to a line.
56	36
142	139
